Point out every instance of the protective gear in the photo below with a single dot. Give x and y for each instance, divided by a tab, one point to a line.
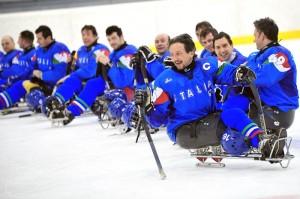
147	54
168	62
51	103
35	99
115	93
131	116
233	142
244	75
116	107
99	106
62	114
135	60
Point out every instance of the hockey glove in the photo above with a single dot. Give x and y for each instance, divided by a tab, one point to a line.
135	61
143	99
168	62
244	75
147	54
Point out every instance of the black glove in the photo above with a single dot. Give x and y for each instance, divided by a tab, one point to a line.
168	62
141	97
147	54
244	75
135	61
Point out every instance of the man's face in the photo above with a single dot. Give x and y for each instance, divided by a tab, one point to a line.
114	40
7	44
43	42
88	38
180	57
258	39
161	43
207	42
223	49
198	32
21	42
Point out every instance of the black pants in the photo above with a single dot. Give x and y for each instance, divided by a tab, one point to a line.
274	118
201	133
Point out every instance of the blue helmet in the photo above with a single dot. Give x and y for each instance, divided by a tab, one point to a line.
115	93
35	99
127	115
233	142
116	107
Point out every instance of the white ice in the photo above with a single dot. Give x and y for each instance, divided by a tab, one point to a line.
83	161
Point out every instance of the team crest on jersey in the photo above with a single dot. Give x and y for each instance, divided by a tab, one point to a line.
15	60
125	60
61	57
33	58
280	61
159	96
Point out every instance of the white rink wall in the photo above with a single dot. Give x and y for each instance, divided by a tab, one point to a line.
142	21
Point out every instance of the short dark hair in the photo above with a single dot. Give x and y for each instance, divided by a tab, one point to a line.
203	25
111	29
186	40
221	35
27	35
205	32
91	28
268	27
45	30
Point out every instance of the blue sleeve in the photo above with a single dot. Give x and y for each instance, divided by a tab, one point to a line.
158	115
155	68
272	70
121	73
23	71
87	72
222	72
59	67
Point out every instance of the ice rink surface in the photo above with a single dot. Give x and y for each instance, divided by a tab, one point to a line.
83	161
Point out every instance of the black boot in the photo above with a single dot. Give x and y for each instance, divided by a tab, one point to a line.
52	103
61	115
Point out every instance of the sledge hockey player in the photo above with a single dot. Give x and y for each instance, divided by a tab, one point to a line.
206	40
199	28
116	69
1	57
51	66
276	73
183	99
86	68
7	61
224	50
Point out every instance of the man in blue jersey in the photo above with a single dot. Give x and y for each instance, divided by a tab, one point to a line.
206	40
223	47
183	99
203	25
276	73
8	60
85	69
51	57
115	68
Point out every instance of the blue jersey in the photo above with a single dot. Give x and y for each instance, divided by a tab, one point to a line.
276	73
235	59
86	62
120	72
23	65
182	97
52	61
6	64
1	56
206	53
